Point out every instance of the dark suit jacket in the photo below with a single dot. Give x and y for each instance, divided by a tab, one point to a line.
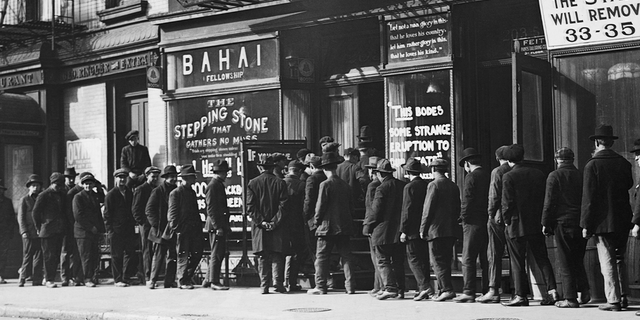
369	222
334	209
387	210
86	214
139	204
412	204
475	197
294	206
217	210
266	199
156	212
351	173
495	189
135	159
25	216
118	217
605	194
311	196
48	213
183	215
71	193
522	201
441	210
563	196
7	216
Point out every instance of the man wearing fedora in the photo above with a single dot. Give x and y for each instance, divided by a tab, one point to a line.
387	209
606	214
120	226
134	158
301	155
141	196
351	173
266	198
439	226
311	190
281	161
334	225
473	215
495	228
164	245
71	265
50	221
522	202
561	218
31	250
417	249
88	228
217	223
70	178
185	223
369	222
298	254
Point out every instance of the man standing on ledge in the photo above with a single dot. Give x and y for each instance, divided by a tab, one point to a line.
135	159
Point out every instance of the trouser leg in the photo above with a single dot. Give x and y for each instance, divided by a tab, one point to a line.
130	257
66	263
147	251
565	259
388	267
218	253
377	279
182	247
159	258
117	257
4	250
418	258
277	267
195	253
38	266
171	267
28	251
343	245
323	253
264	269
51	249
517	254
441	251
538	247
495	251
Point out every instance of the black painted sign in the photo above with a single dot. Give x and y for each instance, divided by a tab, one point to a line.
419	38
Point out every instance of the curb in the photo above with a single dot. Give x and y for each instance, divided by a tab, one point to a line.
21	312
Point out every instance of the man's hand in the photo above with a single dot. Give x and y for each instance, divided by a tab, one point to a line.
499	218
634	231
219	232
585	234
132	175
25	236
547	231
403	237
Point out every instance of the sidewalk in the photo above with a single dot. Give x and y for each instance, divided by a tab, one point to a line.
138	302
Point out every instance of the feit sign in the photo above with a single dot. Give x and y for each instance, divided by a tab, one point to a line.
571	23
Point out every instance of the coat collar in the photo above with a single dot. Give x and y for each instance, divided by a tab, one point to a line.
605	154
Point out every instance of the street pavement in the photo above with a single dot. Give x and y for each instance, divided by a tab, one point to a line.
138	302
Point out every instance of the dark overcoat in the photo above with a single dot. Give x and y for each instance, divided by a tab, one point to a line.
495	189
522	201
118	217
351	173
86	214
369	222
156	212
49	213
141	196
387	210
441	210
412	203
183	215
25	216
217	209
266	198
475	197
69	207
135	159
334	209
563	196
294	207
312	189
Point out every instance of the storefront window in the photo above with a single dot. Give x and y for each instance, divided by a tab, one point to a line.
18	167
596	89
296	108
532	116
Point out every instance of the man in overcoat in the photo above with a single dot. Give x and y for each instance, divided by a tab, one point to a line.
50	221
312	188
606	214
134	158
217	223
369	222
31	250
185	223
561	217
417	249
71	264
298	254
164	245
141	196
473	216
350	172
88	228
7	225
266	198
522	203
635	232
120	227
439	226
387	209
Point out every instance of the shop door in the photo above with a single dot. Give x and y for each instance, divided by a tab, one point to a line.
531	107
341	116
139	109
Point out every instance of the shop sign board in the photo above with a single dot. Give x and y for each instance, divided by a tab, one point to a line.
206	129
224	64
419	38
85	155
21	79
109	67
572	23
530	45
154	77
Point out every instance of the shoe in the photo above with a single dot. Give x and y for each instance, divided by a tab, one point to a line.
489	297
465	298
550	299
37	283
316	291
121	284
517	301
89	284
585	297
21	283
384	295
206	284
400	294
424	294
65	283
2	281
78	283
218	286
567	304
350	292
151	284
296	287
374	292
624	302
280	289
637	313
133	282
265	290
610	307
51	284
444	296
186	286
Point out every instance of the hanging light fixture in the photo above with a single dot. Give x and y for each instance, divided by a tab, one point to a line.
624	70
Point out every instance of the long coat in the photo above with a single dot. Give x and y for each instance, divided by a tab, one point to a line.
387	210
7	216
441	210
563	196
607	178
334	209
522	201
412	203
294	207
266	198
25	216
87	215
156	212
49	213
217	209
311	195
139	204
118	217
71	193
475	197
183	215
351	173
369	222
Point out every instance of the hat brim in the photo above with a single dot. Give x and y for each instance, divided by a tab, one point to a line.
636	149
594	137
385	171
187	174
31	182
164	175
89	179
337	161
461	162
423	169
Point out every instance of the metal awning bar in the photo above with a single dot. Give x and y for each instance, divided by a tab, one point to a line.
220	4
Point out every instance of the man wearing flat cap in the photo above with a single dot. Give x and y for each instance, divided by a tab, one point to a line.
606	214
266	199
217	223
185	223
7	225
334	225
295	226
71	265
387	209
134	158
369	222
88	228
141	196
417	249
303	155
439	226
50	221
522	203
473	215
120	226
561	218
495	228
311	190
164	245
31	250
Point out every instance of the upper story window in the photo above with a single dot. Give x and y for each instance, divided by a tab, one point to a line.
82	12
